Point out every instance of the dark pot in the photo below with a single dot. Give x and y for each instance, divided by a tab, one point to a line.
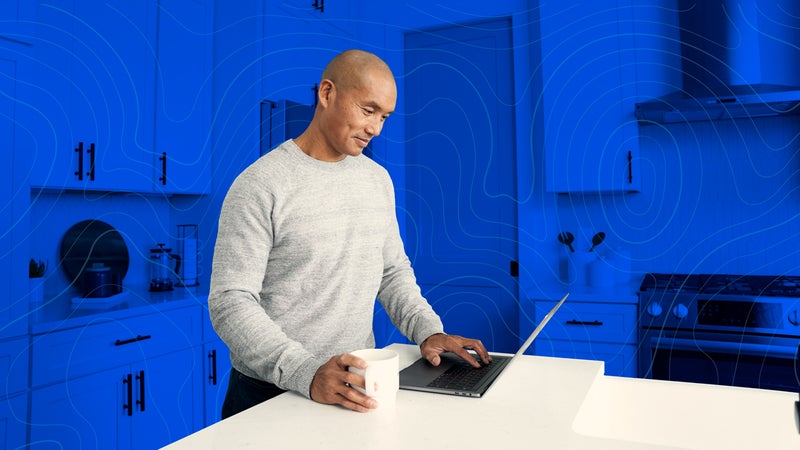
98	282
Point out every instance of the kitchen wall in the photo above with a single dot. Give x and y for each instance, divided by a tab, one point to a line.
717	197
142	221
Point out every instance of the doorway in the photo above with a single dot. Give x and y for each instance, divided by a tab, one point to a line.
461	207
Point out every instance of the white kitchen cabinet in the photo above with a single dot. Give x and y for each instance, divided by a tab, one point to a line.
296	32
216	371
144	405
602	331
13	392
93	95
588	77
183	97
123	95
13	417
13	198
129	383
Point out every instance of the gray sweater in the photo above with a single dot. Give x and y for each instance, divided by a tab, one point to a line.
304	246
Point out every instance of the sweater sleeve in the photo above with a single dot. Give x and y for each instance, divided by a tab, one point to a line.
240	258
399	292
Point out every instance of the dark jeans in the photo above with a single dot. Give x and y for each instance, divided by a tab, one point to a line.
245	392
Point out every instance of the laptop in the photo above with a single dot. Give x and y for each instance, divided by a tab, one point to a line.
454	376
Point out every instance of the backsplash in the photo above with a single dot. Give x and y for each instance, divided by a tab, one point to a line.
143	222
717	197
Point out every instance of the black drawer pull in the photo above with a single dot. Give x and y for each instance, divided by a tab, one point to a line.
594	323
138	338
91	152
79	151
128	407
140	402
212	360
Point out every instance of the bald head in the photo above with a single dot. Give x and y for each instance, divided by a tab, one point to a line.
349	68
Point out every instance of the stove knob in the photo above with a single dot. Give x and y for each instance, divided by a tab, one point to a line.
654	309
680	311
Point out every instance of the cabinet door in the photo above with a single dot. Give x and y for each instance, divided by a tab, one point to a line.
84	412
590	133
13	201
98	84
302	40
215	378
53	159
113	97
171	404
13	419
620	360
13	366
183	96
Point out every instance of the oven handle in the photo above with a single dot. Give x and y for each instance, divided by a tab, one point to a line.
725	347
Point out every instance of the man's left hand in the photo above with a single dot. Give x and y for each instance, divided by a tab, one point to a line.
439	343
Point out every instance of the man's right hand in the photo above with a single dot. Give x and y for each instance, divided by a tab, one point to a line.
332	384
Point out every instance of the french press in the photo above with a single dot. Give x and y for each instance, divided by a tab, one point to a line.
164	266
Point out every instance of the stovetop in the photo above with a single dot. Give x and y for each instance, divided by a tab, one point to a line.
746	285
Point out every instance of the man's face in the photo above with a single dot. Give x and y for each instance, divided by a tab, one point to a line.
355	115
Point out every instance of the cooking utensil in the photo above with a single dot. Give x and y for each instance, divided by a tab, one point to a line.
98	282
597	239
89	242
567	238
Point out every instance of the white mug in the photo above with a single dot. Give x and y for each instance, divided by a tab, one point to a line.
382	375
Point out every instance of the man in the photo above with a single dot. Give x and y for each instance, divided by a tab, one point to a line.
308	237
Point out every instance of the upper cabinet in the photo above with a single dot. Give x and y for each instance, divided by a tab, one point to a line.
183	96
96	66
308	34
588	98
94	88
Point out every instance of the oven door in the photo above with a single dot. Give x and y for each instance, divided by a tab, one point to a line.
750	361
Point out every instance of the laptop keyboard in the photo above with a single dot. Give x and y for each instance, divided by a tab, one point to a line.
462	376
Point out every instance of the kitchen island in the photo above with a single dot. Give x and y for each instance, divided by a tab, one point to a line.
540	402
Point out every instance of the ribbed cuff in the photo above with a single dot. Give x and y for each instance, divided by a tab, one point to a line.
300	381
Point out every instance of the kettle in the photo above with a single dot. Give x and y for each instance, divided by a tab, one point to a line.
162	270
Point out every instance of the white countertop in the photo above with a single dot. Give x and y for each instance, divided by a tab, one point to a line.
547	403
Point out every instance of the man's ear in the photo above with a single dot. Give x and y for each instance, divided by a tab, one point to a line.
325	92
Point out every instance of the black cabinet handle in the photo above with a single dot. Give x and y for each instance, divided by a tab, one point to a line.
140	402
138	338
315	90
163	177
79	151
594	323
630	167
128	380
513	268
90	151
212	361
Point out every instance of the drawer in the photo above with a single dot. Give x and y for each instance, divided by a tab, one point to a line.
593	322
60	355
620	360
13	418
13	366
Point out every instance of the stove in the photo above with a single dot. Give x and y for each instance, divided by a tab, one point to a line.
740	330
748	285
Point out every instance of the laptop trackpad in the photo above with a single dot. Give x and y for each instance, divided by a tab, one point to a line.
422	372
